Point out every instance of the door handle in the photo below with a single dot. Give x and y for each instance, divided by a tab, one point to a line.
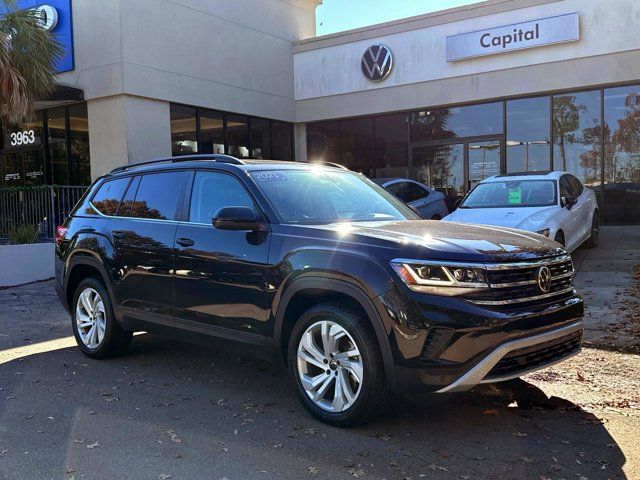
185	242
118	234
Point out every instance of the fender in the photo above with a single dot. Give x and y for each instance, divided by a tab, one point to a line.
92	261
355	292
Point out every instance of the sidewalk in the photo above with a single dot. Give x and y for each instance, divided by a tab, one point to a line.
604	277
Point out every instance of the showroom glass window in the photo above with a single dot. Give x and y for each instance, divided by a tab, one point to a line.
456	122
211	132
237	135
622	155
281	141
206	131
56	122
323	141
79	144
577	136
184	139
390	145
260	138
528	134
357	145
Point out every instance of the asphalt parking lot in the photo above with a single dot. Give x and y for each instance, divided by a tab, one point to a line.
174	410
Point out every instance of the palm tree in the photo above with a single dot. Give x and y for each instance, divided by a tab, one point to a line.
27	57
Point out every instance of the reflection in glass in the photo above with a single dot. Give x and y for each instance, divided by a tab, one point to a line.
484	161
528	130
282	141
79	138
577	136
391	145
237	135
211	132
441	168
456	122
58	146
183	130
260	138
356	144
622	155
323	142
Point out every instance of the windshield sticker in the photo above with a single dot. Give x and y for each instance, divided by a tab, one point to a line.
515	196
269	176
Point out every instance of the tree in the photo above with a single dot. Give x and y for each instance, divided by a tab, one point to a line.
27	57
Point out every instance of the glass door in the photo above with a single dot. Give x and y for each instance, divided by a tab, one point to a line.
483	160
455	168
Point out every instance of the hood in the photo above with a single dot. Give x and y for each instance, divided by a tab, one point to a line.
437	240
525	218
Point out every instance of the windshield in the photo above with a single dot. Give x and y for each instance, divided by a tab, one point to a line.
512	193
320	195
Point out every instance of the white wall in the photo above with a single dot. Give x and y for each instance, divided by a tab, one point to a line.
329	77
229	55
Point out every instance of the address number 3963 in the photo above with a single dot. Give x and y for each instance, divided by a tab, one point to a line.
27	137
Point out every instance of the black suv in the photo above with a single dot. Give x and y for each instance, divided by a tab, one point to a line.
358	295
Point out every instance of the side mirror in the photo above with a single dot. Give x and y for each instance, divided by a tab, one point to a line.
568	201
238	218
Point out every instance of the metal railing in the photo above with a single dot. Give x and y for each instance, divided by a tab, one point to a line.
44	206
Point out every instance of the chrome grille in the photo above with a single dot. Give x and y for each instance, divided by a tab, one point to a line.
512	285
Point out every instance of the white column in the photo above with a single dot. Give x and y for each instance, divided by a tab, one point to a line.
126	129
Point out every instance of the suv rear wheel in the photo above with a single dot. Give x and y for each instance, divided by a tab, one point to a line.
336	364
95	328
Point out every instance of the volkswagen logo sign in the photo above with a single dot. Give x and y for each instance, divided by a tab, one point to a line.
47	17
544	279
377	63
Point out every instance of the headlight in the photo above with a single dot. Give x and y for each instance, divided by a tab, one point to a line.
449	279
544	231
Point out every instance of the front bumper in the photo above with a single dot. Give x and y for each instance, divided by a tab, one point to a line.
442	344
551	350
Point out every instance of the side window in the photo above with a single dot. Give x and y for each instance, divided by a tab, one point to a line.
107	199
158	196
212	191
407	191
577	185
566	188
416	192
128	201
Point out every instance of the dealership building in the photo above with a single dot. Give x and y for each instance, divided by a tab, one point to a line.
447	98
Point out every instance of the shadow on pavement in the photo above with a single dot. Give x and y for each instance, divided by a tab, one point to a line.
185	411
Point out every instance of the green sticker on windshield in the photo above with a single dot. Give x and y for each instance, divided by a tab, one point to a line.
515	196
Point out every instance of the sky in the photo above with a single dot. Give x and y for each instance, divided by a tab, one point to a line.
338	15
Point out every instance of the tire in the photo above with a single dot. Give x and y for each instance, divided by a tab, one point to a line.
436	217
360	401
92	304
560	238
594	238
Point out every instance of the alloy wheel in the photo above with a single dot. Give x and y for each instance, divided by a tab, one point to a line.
330	366
90	318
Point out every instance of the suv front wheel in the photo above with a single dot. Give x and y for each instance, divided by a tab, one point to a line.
95	328
336	364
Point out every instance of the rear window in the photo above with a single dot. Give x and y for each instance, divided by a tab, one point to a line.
107	199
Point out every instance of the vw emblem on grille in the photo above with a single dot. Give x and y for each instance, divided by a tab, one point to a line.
377	63
544	279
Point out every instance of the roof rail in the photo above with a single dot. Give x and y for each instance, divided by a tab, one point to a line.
183	158
330	164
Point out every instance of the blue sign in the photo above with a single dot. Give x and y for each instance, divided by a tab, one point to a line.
56	17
